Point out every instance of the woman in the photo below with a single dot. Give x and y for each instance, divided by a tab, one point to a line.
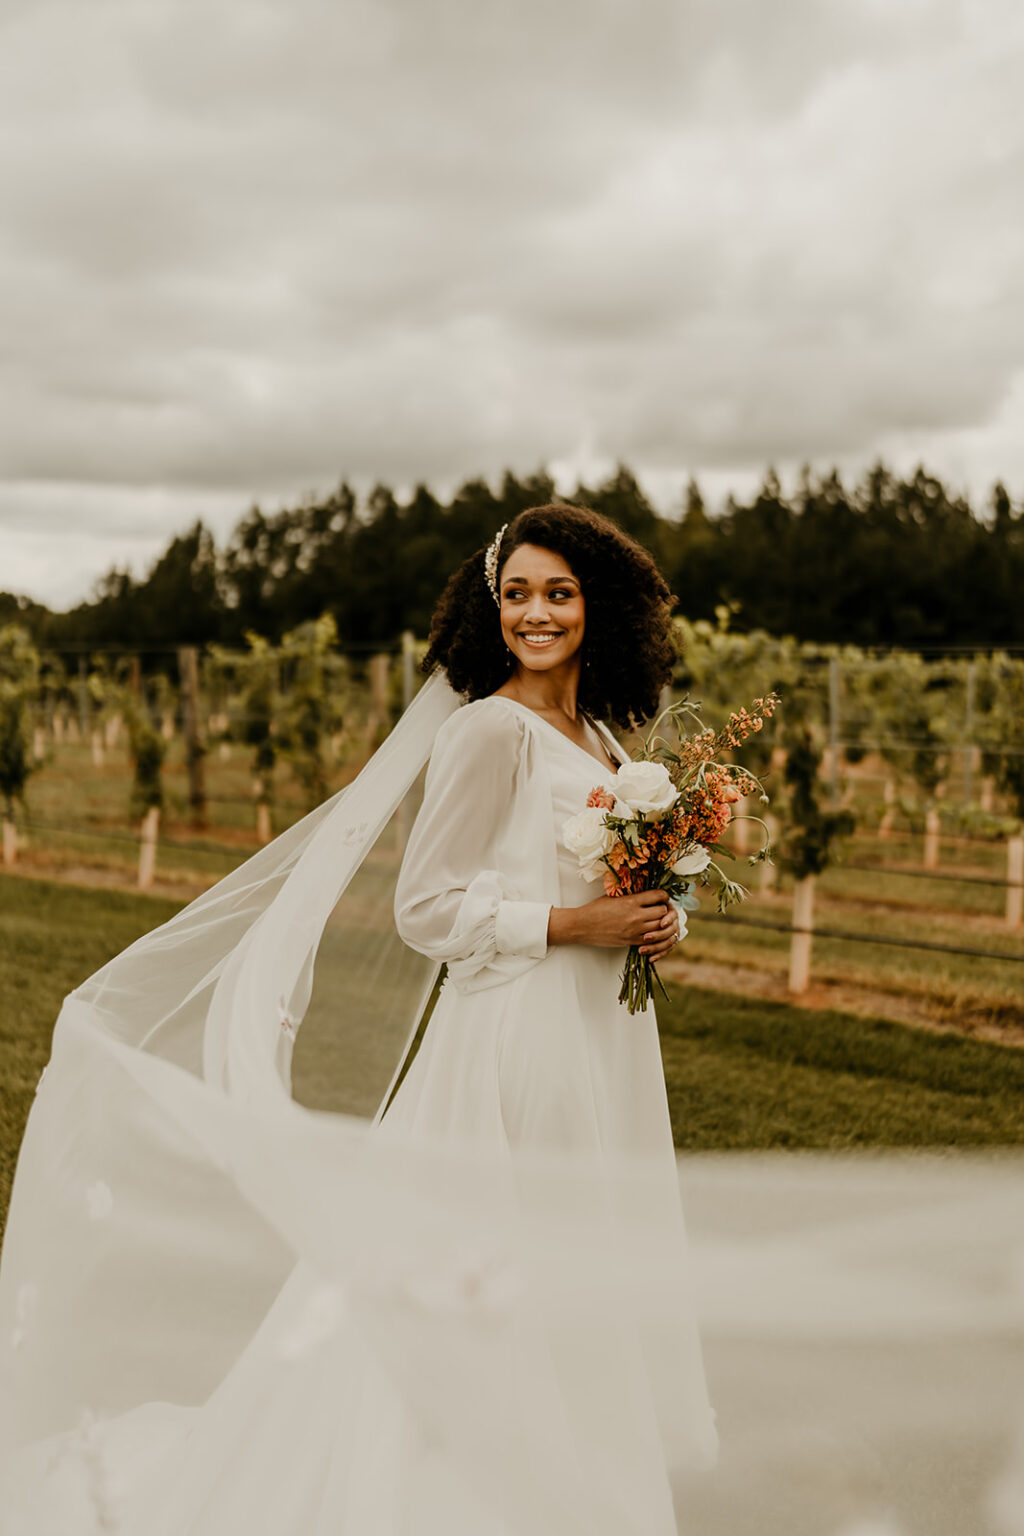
227	1313
544	1055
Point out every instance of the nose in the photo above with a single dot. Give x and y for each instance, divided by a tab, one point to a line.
537	610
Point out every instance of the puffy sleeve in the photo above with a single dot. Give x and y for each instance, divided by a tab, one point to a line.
468	891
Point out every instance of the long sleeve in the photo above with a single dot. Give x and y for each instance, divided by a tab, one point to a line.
471	890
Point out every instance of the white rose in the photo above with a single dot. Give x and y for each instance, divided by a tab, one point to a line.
586	835
646	788
692	863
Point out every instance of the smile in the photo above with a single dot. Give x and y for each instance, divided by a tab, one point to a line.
540	641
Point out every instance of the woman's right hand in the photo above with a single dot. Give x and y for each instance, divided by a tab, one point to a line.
612	922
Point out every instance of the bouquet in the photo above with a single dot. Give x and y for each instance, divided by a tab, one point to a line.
661	828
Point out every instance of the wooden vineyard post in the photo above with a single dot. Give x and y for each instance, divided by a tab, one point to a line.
408	667
1014	881
82	696
931	838
800	944
833	726
404	813
147	847
264	831
195	748
10	842
380	669
888	815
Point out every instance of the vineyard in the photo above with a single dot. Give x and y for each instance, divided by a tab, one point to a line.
896	785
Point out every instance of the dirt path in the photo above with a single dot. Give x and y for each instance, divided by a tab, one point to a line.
868	1002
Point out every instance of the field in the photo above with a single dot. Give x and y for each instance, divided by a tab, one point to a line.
79	827
741	1072
902	1039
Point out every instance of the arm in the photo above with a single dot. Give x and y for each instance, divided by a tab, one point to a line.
467	892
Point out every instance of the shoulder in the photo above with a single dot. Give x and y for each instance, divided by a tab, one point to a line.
484	728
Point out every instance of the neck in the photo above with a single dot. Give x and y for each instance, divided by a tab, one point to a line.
550	692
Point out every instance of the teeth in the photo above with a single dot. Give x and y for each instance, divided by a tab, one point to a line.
540	640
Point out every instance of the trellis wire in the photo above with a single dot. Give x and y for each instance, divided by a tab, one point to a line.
860	938
924	874
842	935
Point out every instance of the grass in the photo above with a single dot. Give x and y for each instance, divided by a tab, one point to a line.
746	1073
741	1073
51	938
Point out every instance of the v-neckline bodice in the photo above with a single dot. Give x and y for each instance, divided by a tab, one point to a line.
609	741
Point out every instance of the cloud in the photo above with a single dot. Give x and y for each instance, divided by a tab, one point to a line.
252	248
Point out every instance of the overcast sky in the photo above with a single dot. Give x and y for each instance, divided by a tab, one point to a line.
249	248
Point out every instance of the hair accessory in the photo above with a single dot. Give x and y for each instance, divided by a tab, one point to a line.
491	562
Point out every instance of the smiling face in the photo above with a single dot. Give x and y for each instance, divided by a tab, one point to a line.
542	608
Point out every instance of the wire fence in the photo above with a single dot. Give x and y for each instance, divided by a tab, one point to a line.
820	932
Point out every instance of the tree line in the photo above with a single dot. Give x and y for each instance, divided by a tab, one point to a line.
888	561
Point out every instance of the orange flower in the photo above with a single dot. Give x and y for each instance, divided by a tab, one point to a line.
601	798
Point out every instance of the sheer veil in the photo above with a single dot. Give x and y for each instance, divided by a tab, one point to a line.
169	1185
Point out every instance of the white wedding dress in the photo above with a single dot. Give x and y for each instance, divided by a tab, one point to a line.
473	1319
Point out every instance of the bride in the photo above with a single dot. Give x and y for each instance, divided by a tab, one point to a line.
226	1312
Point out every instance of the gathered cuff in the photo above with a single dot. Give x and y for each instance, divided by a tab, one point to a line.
497	933
521	928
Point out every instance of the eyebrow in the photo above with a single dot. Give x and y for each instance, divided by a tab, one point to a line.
549	581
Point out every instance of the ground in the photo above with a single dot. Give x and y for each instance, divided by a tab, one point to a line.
741	1071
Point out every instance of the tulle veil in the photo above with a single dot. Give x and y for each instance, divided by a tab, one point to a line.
169	1184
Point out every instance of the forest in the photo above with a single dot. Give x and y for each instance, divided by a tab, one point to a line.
889	561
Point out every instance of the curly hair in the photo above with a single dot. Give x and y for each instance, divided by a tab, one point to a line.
627	648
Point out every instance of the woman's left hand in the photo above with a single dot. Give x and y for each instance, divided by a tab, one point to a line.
662	939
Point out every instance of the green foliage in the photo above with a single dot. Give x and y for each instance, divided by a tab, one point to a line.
809	841
257	671
147	748
1002	690
314	701
19	689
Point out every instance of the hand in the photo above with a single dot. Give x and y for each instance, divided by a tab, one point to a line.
663	938
647	920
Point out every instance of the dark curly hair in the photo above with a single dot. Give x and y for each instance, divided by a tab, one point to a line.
627	647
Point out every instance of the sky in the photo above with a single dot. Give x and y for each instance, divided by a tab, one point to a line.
250	249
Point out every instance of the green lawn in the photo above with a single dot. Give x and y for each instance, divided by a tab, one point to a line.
740	1072
743	1072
